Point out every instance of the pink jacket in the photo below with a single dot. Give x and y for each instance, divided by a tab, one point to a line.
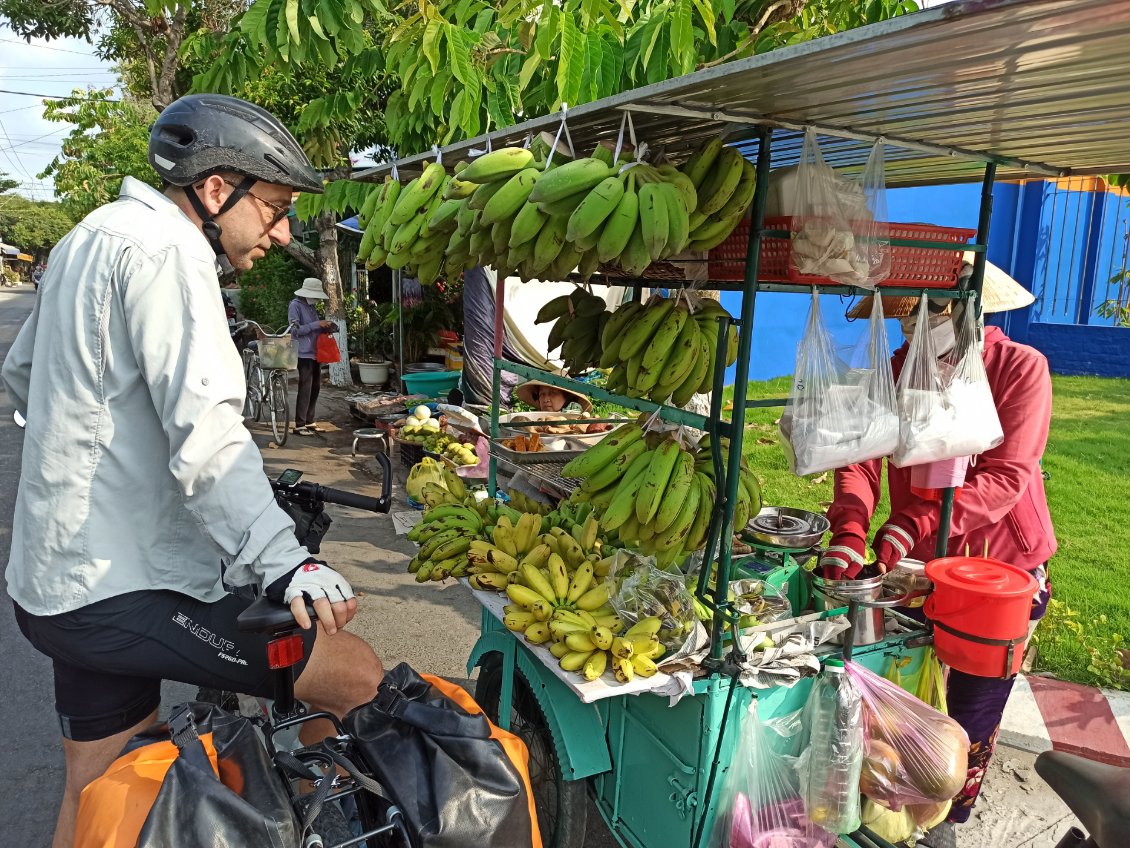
1003	500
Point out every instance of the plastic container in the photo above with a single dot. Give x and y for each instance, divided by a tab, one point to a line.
981	609
431	383
914	267
834	757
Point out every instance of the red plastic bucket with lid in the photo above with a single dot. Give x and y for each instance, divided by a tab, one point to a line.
981	609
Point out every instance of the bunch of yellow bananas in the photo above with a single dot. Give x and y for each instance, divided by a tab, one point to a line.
575	615
666	349
524	503
495	565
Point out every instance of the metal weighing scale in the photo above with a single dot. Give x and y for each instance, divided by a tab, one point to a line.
784	540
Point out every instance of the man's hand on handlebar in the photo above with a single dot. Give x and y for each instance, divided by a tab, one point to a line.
331	594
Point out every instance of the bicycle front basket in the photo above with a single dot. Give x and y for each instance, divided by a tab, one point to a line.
278	352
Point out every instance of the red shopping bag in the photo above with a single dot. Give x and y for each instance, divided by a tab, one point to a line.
327	350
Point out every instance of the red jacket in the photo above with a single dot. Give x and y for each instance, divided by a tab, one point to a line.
1003	500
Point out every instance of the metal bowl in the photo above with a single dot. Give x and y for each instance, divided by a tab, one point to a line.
786	527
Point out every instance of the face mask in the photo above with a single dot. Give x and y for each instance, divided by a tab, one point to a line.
941	331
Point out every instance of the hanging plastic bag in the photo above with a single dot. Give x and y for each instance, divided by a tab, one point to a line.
760	804
913	754
638	588
946	407
840	412
830	765
975	411
326	350
840	230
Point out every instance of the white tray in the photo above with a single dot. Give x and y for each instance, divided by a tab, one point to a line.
587	690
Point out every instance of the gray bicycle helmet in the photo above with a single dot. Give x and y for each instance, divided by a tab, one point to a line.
204	134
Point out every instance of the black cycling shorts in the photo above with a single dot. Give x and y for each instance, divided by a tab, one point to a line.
111	656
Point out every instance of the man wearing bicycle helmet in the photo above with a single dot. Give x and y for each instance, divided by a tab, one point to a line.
138	475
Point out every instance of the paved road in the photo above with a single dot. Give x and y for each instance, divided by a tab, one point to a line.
31	779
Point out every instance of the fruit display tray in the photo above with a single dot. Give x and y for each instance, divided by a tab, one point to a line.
587	690
548	474
543	457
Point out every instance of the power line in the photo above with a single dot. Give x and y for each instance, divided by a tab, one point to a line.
51	96
17	161
43	46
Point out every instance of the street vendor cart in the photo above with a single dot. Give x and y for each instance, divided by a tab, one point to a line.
972	90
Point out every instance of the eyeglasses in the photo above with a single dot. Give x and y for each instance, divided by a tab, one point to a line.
280	210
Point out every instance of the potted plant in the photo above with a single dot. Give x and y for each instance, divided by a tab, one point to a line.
375	337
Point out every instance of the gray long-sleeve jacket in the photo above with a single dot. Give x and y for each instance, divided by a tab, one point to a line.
138	472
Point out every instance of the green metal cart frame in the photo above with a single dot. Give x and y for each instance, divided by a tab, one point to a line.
636	741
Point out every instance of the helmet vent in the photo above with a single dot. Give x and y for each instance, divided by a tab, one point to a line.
283	169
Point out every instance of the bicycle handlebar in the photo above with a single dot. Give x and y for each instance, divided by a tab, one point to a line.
324	494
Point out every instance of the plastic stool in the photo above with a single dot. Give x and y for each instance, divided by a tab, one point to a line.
370	434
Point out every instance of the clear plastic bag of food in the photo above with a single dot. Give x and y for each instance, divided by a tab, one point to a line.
840	229
760	804
639	588
913	754
830	765
841	410
946	407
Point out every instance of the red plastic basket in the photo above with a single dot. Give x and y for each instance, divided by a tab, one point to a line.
912	267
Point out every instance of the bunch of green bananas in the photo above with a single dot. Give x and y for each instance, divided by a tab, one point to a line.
398	233
445	535
648	491
664	349
579	322
724	181
748	504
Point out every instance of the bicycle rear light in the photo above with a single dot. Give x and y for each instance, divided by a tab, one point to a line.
284	651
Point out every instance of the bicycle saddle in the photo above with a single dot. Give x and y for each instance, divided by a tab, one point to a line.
1098	794
265	616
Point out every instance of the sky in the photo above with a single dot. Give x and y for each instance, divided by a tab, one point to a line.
27	142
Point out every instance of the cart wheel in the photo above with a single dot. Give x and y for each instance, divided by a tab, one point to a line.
280	409
562	805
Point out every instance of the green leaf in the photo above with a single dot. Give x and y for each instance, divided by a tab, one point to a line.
420	89
656	71
356	12
292	21
328	14
254	20
570	62
682	37
433	34
529	68
460	54
707	14
594	64
439	91
546	36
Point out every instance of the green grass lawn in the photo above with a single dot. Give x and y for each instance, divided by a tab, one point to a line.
1088	463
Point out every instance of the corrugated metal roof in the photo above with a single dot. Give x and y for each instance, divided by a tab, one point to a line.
1040	86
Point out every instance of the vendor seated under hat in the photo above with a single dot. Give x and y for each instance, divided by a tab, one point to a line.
549	398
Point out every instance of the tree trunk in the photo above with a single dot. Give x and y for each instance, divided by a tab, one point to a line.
330	274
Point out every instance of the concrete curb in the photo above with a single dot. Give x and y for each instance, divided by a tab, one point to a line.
1046	714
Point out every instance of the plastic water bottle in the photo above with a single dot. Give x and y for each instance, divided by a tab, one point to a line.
830	779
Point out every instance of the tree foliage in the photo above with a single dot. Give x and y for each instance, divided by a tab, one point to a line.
7	183
35	226
457	68
110	141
